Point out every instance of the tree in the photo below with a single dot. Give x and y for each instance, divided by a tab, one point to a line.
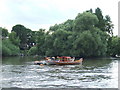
61	42
4	32
89	44
105	23
108	25
67	25
40	42
54	28
84	21
101	23
32	51
82	44
114	46
91	11
49	40
33	38
14	38
9	49
24	35
76	37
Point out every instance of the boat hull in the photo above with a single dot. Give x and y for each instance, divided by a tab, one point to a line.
56	62
69	63
40	62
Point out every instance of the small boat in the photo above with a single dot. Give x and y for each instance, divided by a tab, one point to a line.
61	61
76	62
40	63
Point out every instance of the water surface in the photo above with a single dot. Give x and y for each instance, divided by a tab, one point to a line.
93	73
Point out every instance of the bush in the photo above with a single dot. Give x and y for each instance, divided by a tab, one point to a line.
6	51
9	49
32	51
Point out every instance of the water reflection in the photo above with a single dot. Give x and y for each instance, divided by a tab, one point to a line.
93	73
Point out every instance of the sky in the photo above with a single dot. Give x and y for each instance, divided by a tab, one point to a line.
36	14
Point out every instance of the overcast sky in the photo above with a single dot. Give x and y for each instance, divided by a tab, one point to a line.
36	14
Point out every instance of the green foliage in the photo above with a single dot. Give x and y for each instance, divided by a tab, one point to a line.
49	40
88	35
41	41
88	44
114	46
100	42
9	49
101	23
105	23
32	38
32	51
4	32
54	28
21	32
79	37
108	25
24	35
91	11
85	21
61	42
82	44
6	51
14	39
67	25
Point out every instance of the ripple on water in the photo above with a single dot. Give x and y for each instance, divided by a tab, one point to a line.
35	76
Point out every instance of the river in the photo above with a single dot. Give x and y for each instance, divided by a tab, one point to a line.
93	73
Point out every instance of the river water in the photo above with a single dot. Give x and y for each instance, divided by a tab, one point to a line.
93	73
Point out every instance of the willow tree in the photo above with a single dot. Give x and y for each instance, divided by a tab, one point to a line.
85	21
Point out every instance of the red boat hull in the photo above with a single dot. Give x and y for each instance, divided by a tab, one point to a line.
70	63
65	62
59	62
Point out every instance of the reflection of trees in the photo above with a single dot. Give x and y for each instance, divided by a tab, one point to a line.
97	62
16	60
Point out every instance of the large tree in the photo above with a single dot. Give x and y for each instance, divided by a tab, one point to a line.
3	32
101	23
85	21
67	25
108	25
89	43
114	46
105	23
24	35
41	42
14	38
9	49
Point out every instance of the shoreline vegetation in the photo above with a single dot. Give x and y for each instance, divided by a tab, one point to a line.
90	34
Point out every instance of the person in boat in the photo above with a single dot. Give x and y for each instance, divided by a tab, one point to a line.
73	59
63	59
57	58
47	58
52	58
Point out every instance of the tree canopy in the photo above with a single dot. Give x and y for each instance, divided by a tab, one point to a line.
85	21
90	34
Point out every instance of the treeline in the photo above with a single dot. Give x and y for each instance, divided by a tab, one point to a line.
90	34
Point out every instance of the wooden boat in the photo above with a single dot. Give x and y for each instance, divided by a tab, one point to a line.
76	62
62	61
